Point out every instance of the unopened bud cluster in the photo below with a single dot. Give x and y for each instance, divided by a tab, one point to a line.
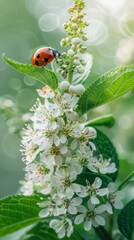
72	61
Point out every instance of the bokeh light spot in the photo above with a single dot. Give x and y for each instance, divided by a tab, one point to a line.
25	98
15	83
96	33
29	81
49	22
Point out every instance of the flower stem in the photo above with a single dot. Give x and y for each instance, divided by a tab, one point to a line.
125	182
103	234
70	72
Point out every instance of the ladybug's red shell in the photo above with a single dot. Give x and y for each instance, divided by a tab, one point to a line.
45	55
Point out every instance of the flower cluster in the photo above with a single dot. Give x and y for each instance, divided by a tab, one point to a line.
73	60
57	148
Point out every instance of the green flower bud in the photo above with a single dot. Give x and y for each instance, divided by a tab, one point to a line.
76	62
65	85
74	26
80	70
71	52
76	40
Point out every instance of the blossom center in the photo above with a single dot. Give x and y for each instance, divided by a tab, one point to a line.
42	169
54	150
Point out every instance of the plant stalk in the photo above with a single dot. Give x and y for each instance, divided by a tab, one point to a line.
124	183
70	72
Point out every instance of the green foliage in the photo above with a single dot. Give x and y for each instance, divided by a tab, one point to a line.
107	87
126	220
42	231
107	150
17	212
107	121
42	74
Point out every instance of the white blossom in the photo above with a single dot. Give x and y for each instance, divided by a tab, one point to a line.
62	227
91	216
102	165
114	199
56	148
93	191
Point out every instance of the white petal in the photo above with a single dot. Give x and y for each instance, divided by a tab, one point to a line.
87	225
83	192
56	140
97	183
72	210
74	144
103	192
76	201
90	205
44	213
100	220
111	187
118	204
120	194
94	200
79	219
69	192
92	132
46	190
100	209
76	187
81	209
109	208
91	168
63	150
63	138
54	223
94	223
61	232
53	125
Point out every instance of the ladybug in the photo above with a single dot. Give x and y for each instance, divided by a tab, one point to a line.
44	55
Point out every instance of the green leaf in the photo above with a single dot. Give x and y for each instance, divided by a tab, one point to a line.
106	148
126	220
107	87
107	121
44	75
42	231
17	212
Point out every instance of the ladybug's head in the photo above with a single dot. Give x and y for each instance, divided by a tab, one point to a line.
55	52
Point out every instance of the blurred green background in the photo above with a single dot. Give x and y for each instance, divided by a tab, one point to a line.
26	25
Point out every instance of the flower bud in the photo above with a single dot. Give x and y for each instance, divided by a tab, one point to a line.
79	89
76	62
80	70
83	49
58	70
84	38
83	62
71	52
72	89
63	42
65	85
63	54
74	26
76	41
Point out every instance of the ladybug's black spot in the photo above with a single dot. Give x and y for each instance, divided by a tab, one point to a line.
38	56
37	63
46	59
